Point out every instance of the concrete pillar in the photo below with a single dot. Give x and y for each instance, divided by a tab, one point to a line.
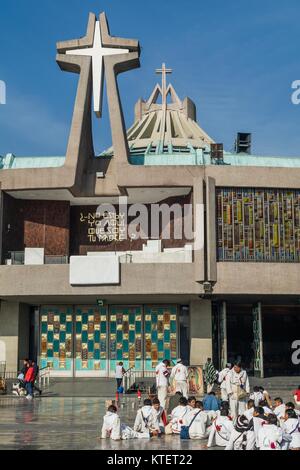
14	333
198	212
211	224
201	331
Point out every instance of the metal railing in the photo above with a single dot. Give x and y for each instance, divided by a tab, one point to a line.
132	376
44	377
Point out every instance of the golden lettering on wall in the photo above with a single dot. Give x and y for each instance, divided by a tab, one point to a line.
109	228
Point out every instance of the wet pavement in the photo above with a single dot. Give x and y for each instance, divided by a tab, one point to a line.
71	423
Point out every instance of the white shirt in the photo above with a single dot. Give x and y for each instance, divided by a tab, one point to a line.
198	422
269	437
236	440
222	377
279	411
177	418
249	413
162	374
119	372
111	426
233	379
220	432
257	397
179	373
291	427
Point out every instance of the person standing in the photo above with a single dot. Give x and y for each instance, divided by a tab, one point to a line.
222	381
180	375
120	371
210	375
29	381
238	389
162	375
36	373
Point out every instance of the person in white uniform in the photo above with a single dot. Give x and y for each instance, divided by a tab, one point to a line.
241	438
221	430
258	420
279	409
178	415
111	428
291	431
162	382
198	422
257	395
270	434
180	375
146	421
238	388
222	381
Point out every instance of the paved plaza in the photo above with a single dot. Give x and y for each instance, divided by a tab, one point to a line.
71	423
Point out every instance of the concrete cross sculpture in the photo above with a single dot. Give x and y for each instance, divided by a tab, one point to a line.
92	56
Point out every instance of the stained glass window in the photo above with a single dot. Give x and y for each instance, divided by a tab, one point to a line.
160	335
125	338
91	338
56	338
258	224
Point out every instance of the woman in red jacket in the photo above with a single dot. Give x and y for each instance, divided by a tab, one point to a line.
29	380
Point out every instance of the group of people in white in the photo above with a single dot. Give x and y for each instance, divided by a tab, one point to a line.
242	421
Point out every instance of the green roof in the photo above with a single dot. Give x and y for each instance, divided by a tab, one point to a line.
11	161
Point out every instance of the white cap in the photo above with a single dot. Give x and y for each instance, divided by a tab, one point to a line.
178	360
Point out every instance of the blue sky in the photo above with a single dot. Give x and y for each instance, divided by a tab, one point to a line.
235	59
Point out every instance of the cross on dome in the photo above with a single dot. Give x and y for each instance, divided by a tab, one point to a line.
164	71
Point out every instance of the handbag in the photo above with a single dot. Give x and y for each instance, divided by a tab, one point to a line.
241	393
185	430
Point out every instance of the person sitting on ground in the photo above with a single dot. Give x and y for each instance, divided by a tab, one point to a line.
160	414
173	401
296	395
191	403
210	402
177	416
221	429
270	434
258	420
146	421
266	396
263	404
198	422
291	431
279	408
250	409
290	406
257	395
111	424
242	437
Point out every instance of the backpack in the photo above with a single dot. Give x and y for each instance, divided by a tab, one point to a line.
185	430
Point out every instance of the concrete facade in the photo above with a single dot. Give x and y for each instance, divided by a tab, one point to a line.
46	198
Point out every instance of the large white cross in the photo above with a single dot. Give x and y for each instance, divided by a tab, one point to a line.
97	52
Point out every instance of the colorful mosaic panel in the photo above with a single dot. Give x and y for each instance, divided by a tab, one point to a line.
125	338
91	339
56	338
160	335
258	224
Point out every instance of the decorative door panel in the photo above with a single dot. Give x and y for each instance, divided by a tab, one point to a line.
56	339
160	335
91	341
125	337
